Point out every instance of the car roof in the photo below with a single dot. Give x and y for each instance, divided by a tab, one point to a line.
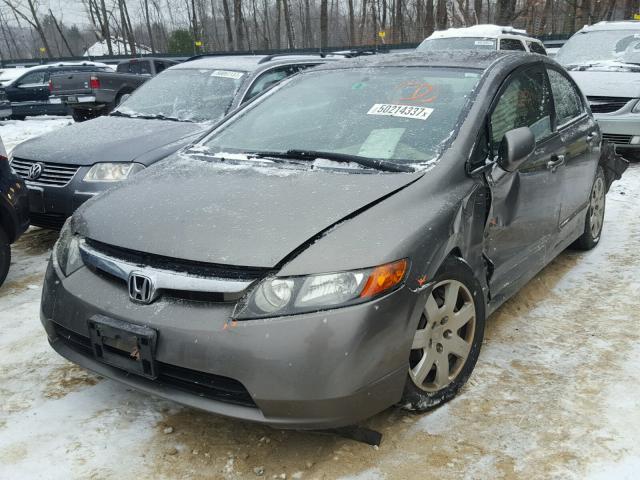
491	31
603	26
472	59
245	63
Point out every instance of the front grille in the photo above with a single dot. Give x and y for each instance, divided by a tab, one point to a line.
178	265
617	139
215	387
607	104
53	221
53	174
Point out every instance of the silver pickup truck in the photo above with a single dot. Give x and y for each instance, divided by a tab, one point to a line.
90	94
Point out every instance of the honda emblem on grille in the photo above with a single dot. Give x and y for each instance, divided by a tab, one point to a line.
35	171
141	288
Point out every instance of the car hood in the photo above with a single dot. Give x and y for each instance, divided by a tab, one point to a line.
608	84
108	139
250	216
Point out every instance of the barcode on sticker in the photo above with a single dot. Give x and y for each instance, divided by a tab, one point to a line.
227	74
406	111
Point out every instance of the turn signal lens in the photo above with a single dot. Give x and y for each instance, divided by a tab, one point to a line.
383	278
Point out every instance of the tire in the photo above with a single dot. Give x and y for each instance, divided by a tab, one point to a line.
595	214
5	256
18	117
428	385
83	115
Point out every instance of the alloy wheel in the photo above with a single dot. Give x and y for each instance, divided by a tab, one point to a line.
444	337
596	209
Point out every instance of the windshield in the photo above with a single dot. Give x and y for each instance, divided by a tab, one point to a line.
190	95
399	114
601	47
458	43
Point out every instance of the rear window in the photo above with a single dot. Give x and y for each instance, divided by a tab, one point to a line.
138	68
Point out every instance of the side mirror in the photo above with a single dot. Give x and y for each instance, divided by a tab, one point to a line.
123	98
515	148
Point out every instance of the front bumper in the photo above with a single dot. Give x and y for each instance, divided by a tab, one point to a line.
5	110
620	129
319	370
51	205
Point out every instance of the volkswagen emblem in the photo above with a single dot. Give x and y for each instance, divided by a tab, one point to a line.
141	288
35	171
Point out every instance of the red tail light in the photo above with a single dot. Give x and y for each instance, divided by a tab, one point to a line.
94	82
3	158
51	86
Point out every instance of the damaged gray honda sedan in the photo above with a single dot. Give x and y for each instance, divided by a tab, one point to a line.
335	247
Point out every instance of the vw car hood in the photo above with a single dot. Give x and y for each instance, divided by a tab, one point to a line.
108	139
235	215
608	84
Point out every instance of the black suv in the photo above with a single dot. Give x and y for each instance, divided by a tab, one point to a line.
29	93
14	211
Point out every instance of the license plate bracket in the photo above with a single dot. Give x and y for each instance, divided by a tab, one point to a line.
124	345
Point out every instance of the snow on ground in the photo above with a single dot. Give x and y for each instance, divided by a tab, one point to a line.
555	394
13	132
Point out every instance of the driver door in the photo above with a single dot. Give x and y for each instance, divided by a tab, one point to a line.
525	204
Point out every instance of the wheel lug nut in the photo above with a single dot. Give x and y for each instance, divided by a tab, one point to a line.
444	320
439	348
447	334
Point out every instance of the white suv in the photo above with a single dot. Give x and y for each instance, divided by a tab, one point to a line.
482	37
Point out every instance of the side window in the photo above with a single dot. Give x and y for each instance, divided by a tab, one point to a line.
123	68
536	47
525	102
511	44
159	67
33	78
568	102
271	77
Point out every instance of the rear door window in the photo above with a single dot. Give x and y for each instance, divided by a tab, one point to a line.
524	102
567	100
511	44
271	77
536	47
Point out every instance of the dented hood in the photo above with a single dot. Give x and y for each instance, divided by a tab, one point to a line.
229	214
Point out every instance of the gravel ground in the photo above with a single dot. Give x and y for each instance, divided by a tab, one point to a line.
556	393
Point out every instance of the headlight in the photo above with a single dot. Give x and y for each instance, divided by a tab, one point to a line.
636	107
111	172
276	296
67	250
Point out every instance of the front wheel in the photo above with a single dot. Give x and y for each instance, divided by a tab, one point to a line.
5	255
447	341
595	215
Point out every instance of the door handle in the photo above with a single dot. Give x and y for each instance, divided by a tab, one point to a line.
555	162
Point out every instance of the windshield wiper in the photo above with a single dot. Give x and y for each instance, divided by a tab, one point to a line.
159	116
117	113
297	154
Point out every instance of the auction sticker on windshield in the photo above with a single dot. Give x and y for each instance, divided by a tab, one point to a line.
227	74
406	111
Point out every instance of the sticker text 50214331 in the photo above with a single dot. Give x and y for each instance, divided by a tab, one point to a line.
407	111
